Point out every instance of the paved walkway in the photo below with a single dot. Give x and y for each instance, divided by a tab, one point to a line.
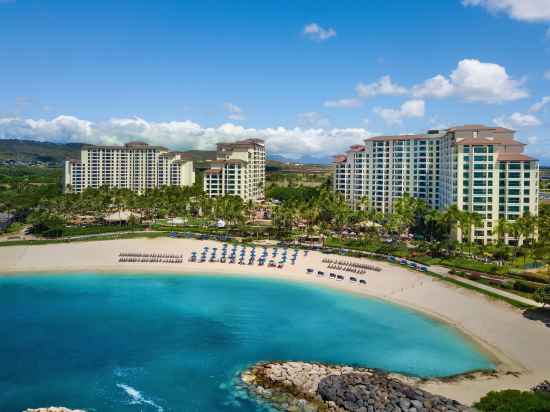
443	271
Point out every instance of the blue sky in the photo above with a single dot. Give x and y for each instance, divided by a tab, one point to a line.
312	77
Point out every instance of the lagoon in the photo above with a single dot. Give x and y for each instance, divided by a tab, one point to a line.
175	343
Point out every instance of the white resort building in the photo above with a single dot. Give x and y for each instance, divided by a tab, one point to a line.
136	166
480	169
239	170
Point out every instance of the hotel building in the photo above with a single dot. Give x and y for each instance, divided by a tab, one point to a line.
136	166
480	169
239	170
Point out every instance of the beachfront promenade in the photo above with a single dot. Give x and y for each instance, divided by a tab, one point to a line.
446	272
518	344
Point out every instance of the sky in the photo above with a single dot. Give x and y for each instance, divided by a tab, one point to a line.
310	77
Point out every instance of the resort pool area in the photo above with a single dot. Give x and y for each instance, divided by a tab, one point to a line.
175	343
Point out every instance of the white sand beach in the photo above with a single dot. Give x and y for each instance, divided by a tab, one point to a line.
520	346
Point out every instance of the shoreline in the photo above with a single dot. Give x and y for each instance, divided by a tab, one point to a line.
514	343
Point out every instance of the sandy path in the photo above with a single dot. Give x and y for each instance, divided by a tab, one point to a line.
517	343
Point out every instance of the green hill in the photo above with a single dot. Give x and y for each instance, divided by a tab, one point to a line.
29	151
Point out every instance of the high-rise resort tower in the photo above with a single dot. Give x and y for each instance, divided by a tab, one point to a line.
239	170
479	168
136	166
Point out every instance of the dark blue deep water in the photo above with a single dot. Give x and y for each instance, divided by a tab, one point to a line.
169	343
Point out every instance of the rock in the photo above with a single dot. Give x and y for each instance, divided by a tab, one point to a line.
300	386
54	409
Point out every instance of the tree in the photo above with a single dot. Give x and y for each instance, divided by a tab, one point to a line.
502	229
542	295
501	253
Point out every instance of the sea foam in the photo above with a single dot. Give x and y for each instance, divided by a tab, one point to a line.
137	398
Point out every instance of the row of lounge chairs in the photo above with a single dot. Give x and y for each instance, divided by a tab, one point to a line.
347	269
350	264
151	255
337	277
149	260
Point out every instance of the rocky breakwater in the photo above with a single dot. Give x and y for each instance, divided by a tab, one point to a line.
308	387
53	409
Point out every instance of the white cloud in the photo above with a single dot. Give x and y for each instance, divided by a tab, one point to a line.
292	143
517	120
313	120
485	82
524	10
437	86
411	108
343	103
547	74
532	139
318	33
472	80
538	106
234	112
383	87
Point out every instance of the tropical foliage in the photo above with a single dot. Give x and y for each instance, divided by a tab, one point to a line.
514	401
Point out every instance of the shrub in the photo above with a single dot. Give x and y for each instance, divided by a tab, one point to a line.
542	295
522	286
513	401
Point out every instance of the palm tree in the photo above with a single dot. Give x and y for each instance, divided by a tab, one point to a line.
468	222
502	229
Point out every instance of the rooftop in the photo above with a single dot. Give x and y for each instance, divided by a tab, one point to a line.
399	137
478	127
130	145
514	156
340	158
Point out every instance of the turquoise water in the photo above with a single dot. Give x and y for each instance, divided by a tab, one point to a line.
168	343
